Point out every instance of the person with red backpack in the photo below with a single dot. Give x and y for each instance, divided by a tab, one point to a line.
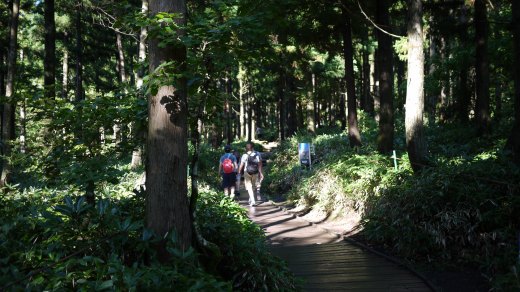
227	169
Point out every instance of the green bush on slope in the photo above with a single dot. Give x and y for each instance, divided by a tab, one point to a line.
455	212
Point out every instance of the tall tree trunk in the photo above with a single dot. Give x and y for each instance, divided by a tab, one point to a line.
431	99
122	79
229	90
444	83
348	54
368	102
292	121
3	72
8	117
241	93
50	51
65	74
513	143
120	58
79	55
250	118
375	84
464	94
315	101
385	140
137	154
281	104
167	207
309	105
482	114
23	126
415	141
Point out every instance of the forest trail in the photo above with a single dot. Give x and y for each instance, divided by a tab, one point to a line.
324	261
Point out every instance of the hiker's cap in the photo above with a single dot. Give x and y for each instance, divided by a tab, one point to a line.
227	148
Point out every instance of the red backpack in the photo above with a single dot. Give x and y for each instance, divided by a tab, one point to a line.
227	165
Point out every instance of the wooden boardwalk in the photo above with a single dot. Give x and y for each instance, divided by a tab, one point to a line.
327	263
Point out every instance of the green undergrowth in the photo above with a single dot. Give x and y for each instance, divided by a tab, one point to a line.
464	211
51	239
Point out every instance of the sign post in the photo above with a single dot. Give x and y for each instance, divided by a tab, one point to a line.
304	154
394	156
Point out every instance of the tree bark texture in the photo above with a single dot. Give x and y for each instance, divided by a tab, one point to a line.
385	140
8	117
348	53
167	206
415	141
482	114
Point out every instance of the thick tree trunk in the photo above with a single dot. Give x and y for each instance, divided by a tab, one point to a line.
385	140
482	114
415	141
137	154
8	117
167	208
49	63
348	54
513	143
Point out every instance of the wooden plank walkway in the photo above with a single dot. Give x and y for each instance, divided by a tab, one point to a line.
324	261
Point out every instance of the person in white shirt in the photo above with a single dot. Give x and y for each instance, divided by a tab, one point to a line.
251	164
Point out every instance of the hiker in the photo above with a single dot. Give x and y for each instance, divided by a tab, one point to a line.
251	164
227	169
238	174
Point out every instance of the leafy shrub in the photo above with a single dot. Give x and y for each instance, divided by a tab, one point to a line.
246	259
53	240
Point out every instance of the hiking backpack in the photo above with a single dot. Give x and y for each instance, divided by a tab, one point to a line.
227	165
252	163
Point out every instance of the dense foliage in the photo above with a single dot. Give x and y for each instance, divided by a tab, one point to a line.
51	239
461	212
